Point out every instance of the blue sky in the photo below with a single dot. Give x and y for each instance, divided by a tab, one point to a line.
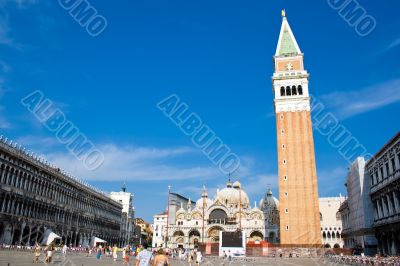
217	57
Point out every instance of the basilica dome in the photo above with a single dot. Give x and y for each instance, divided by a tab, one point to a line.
233	195
199	203
269	202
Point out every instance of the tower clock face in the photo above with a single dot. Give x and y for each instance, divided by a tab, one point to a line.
289	66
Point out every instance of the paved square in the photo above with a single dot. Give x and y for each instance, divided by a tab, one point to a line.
13	258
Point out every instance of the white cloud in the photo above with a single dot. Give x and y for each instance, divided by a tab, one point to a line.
351	103
134	164
5	37
5	28
4	124
19	3
392	45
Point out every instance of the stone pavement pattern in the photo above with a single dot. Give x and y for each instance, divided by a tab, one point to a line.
12	258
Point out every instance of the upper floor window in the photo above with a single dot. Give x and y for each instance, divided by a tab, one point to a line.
288	91
300	90
294	90
282	91
398	158
393	164
387	169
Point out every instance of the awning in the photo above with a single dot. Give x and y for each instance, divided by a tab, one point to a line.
96	240
49	236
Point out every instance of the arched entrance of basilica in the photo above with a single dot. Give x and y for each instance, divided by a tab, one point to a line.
178	239
213	234
256	236
194	239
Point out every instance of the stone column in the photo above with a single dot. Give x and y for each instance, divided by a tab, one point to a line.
37	234
20	235
3	204
388	244
396	202
393	244
389	204
12	205
379	207
12	234
384	209
28	243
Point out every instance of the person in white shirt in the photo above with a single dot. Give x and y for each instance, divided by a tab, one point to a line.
199	257
144	257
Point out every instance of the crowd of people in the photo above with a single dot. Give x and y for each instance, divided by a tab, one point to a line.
145	256
364	260
142	255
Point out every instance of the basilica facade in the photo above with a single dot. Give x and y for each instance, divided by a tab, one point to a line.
203	220
228	211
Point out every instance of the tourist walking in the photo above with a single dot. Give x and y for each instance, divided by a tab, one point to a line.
64	251
98	256
115	255
36	254
161	259
191	257
199	257
49	254
126	256
144	257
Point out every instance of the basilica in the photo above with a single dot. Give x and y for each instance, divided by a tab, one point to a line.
228	211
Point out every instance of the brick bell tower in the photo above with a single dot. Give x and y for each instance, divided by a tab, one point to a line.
298	187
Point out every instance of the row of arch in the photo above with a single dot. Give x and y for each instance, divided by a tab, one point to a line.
30	234
54	189
331	236
334	246
291	91
17	205
42	197
212	235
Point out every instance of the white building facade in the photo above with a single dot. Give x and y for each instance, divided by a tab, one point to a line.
126	229
331	221
159	225
357	210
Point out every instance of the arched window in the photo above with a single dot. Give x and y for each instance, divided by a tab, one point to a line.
288	91
282	91
300	90
320	216
338	217
294	91
218	216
